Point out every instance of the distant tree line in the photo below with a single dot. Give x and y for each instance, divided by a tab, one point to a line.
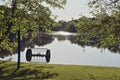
62	25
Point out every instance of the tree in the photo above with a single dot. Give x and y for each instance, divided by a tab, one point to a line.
26	15
107	13
104	27
106	6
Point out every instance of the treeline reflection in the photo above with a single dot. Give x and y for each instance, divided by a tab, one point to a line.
43	39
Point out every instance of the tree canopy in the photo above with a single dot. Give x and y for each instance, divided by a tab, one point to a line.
104	6
24	15
104	27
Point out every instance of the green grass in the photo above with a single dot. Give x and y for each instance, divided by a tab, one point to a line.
32	71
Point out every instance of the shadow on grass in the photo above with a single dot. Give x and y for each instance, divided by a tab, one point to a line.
27	73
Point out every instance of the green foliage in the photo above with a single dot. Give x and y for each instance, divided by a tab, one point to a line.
104	6
103	28
24	15
65	26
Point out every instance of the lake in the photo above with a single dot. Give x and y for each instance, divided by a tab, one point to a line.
63	51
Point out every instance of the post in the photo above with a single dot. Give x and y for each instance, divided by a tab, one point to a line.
18	64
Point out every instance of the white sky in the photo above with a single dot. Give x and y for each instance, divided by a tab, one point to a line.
73	9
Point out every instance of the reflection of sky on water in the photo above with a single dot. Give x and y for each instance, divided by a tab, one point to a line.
63	52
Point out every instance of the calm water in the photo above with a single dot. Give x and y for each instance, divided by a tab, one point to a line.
65	52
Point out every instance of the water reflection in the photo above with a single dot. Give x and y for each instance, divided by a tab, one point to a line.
42	39
69	50
95	43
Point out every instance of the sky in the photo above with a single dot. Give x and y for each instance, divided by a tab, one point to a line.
73	10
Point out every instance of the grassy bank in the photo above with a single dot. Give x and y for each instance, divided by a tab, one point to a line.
32	71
